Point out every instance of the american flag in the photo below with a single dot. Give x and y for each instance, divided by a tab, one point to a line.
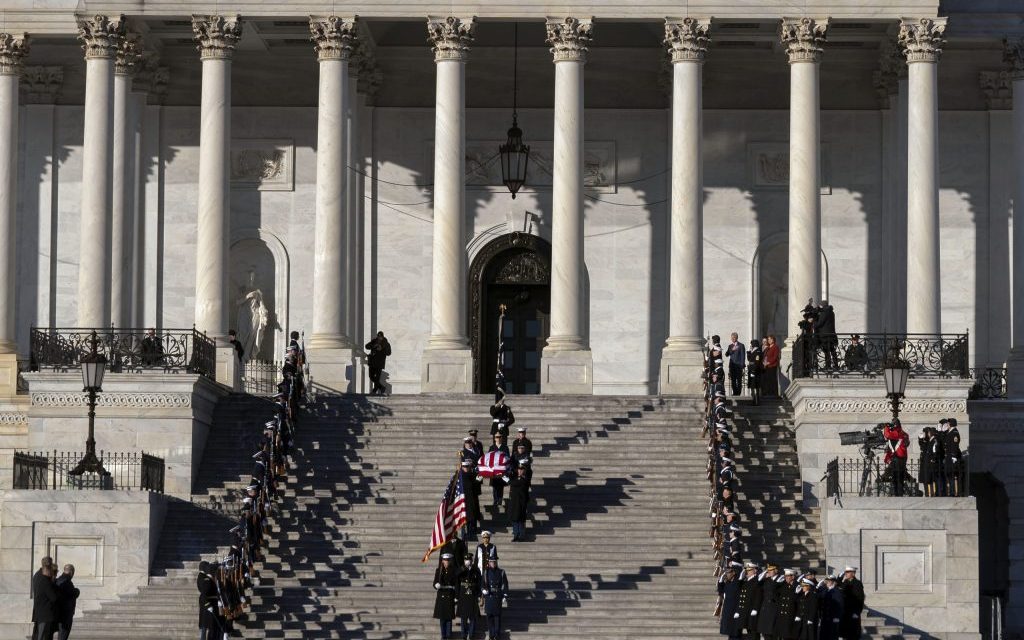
492	463
451	514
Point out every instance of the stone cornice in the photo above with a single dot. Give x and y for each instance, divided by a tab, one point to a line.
922	38
1013	56
570	38
803	38
998	89
451	37
687	39
101	36
216	35
129	55
13	49
333	38
116	399
41	85
844	405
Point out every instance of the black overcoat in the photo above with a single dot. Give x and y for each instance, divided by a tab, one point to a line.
831	610
730	592
805	623
468	594
749	599
446	583
853	605
208	602
518	499
67	596
769	608
785	601
44	599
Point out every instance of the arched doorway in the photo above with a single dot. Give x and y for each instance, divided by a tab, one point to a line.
514	270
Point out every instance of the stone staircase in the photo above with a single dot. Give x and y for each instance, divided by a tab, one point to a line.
617	542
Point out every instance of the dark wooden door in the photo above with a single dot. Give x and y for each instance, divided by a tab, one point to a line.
524	333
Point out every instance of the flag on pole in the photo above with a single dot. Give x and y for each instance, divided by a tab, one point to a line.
451	514
492	464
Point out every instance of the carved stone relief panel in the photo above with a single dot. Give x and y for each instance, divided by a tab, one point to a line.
266	165
768	166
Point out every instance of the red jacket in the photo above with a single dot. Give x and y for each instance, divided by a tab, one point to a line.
771	356
897	442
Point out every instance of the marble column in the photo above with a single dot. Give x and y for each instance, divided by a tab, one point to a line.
13	49
101	36
447	363
126	62
803	39
330	347
1014	55
217	37
682	357
922	44
354	196
567	365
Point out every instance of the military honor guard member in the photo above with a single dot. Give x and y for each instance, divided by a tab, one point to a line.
467	606
484	551
853	604
522	439
805	622
518	503
769	607
744	620
446	584
831	609
494	589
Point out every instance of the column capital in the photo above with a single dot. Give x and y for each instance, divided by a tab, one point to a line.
13	49
921	38
129	55
41	85
803	38
333	38
101	36
570	38
216	35
891	66
451	37
1013	56
998	89
687	38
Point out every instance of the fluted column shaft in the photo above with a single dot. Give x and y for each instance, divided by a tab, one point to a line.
352	155
122	197
217	37
12	52
922	42
333	38
101	37
448	283
803	39
1014	55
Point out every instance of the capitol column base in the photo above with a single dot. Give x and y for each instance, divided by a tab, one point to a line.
447	371
229	369
682	364
569	372
335	370
8	376
1015	374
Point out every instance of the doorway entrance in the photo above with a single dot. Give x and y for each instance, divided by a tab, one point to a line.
513	270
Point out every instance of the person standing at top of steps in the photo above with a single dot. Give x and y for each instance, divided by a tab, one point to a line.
446	579
379	349
737	362
501	417
467	605
494	589
484	551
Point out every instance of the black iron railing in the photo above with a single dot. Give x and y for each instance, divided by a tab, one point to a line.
989	383
51	470
929	356
260	377
126	350
873	478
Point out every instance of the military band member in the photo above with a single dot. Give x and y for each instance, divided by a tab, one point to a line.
853	604
446	585
467	606
494	589
830	609
805	622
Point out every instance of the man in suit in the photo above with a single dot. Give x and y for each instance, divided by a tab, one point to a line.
67	597
44	605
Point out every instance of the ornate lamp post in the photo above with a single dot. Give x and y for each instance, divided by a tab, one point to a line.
514	154
896	372
93	367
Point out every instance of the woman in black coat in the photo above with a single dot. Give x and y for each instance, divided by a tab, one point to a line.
446	584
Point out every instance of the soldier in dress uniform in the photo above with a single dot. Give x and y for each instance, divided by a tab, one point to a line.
469	451
497	483
483	551
953	462
830	609
932	459
521	458
471	489
521	438
853	604
769	607
518	503
502	417
785	600
457	548
494	589
745	617
755	364
467	606
728	597
209	604
805	622
446	584
477	445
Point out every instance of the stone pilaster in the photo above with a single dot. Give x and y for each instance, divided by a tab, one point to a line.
447	360
686	41
921	40
1014	57
41	85
126	63
101	38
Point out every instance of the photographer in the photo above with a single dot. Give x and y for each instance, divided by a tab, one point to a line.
896	442
379	349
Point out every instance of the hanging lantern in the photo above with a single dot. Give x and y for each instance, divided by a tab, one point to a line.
514	154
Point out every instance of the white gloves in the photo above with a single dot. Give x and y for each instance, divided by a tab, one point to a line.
954	460
797	619
835	620
753	612
485	592
506	479
735	616
504	602
437	585
856	616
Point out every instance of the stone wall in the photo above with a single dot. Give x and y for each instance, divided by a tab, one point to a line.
918	559
166	415
110	537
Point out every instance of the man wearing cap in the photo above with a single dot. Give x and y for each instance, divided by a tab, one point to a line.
209	623
953	458
477	445
484	551
785	604
518	503
502	417
457	547
853	604
521	458
856	354
805	622
522	439
467	606
745	617
769	607
471	490
497	483
831	609
446	579
728	595
494	589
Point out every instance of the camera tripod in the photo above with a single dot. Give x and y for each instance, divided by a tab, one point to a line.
869	457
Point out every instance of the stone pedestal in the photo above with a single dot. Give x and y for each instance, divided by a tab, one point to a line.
567	372
681	368
110	536
823	408
229	369
8	375
447	371
163	414
918	559
334	371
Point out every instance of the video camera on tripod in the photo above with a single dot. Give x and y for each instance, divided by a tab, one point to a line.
869	440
